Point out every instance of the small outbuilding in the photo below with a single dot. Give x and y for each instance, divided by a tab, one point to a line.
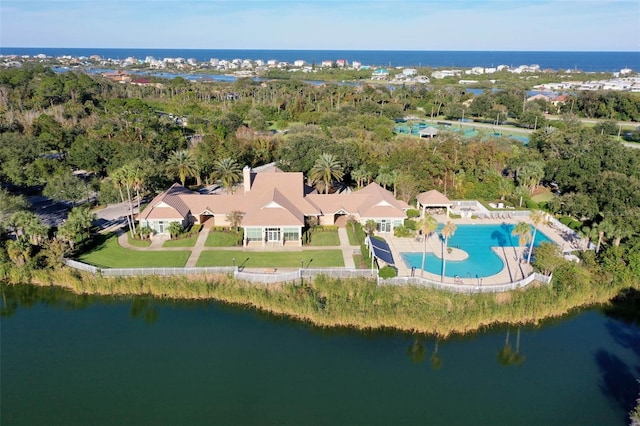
428	132
433	199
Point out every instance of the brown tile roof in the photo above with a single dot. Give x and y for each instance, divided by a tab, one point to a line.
434	198
276	198
380	203
168	205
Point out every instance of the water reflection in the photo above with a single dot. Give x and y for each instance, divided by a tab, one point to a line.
144	308
508	356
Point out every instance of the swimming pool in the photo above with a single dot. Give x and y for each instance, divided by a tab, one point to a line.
477	241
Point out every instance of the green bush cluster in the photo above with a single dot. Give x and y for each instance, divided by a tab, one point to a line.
411	224
411	213
402	231
388	272
189	232
571	222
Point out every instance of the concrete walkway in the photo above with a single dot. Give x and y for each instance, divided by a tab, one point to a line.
347	249
197	248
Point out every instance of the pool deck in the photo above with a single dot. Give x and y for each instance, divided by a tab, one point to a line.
513	270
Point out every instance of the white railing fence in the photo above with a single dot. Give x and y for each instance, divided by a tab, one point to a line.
466	288
293	275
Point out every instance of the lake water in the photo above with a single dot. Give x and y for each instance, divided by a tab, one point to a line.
73	360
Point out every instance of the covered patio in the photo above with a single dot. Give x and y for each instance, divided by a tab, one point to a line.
433	199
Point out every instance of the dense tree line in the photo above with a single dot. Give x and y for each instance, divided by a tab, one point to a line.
133	141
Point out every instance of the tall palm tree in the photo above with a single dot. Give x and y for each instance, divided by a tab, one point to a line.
427	225
181	163
129	176
448	231
228	171
537	218
325	170
523	231
360	175
119	179
138	178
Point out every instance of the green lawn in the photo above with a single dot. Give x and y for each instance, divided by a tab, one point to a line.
543	197
184	242
221	239
325	238
108	254
312	259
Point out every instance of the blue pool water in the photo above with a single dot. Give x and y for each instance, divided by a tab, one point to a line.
476	241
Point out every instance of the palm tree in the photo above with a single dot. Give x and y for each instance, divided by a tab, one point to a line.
129	175
325	170
28	226
228	171
537	218
138	178
370	227
384	179
427	225
523	231
181	163
617	228
119	179
235	218
175	228
360	175
19	251
76	228
448	231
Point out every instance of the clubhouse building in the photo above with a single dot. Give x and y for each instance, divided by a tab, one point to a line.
274	207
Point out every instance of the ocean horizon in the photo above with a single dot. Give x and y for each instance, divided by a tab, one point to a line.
557	60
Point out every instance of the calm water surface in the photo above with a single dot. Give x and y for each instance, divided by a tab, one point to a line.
72	360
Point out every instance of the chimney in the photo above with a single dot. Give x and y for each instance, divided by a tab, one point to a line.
246	175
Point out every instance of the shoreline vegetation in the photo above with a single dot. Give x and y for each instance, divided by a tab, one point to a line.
355	303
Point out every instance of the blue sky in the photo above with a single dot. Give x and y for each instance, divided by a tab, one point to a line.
607	25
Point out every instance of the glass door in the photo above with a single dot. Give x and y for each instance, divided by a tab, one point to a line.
273	234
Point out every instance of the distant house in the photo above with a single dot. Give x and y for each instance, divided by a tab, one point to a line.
342	63
538	97
380	74
119	76
276	206
560	100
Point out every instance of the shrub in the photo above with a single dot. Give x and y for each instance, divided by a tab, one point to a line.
410	224
571	222
411	213
532	204
402	231
388	272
